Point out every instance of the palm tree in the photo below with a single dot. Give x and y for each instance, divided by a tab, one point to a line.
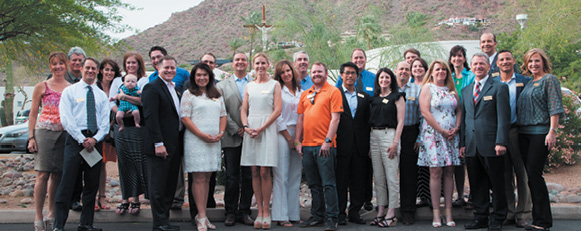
253	19
235	44
369	29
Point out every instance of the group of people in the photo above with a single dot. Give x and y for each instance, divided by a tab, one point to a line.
430	122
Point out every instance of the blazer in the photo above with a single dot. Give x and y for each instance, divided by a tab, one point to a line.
486	123
161	118
353	132
519	79
233	104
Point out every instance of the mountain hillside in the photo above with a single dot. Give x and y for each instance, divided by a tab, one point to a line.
210	25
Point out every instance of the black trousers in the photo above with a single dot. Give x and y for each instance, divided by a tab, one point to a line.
162	176
482	173
238	191
534	154
351	177
73	165
408	170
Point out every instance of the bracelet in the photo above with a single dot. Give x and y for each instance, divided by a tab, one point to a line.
30	138
244	126
555	130
221	132
297	143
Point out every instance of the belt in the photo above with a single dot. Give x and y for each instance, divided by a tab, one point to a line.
88	133
514	125
379	128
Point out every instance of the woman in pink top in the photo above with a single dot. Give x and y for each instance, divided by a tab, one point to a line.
47	139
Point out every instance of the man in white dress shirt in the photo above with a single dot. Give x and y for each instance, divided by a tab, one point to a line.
84	114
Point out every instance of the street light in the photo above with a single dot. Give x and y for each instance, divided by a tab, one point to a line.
521	19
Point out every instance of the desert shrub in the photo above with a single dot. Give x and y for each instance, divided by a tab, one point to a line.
568	145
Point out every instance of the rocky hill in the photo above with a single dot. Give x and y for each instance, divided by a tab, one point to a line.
210	25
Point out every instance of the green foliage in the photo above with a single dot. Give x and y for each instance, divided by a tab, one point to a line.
276	55
254	18
416	19
234	44
369	29
554	27
568	144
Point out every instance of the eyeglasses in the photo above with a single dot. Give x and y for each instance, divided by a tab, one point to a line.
349	73
313	97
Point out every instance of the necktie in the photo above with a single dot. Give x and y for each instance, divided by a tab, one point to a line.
476	92
91	114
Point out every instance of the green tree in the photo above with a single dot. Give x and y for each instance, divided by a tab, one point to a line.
235	44
254	18
31	29
369	29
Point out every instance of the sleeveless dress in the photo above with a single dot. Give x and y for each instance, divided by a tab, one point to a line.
205	113
261	150
435	150
49	134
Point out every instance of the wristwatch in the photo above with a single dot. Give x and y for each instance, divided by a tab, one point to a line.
327	140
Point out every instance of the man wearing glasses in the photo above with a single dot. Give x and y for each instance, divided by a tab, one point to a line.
319	112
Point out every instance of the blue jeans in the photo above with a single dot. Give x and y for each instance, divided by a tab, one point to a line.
320	174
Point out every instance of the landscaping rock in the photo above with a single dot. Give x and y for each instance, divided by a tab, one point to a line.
555	186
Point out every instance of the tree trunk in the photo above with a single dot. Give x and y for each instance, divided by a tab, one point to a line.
250	56
9	95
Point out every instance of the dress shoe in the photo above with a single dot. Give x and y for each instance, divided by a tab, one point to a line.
469	205
88	228
230	220
342	221
246	219
495	226
407	220
520	223
536	228
166	227
508	222
57	229
477	224
458	203
368	206
76	206
176	207
356	220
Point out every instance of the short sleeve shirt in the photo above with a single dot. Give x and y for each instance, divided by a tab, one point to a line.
317	115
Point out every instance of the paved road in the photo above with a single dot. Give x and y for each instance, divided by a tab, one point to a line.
559	225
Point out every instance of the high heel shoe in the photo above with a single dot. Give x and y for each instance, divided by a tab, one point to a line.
207	223
48	223
385	223
449	215
39	226
200	224
437	224
258	223
266	222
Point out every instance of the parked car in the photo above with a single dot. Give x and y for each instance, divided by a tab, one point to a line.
567	91
21	117
14	138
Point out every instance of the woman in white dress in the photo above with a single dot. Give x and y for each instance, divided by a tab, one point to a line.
203	114
287	174
261	106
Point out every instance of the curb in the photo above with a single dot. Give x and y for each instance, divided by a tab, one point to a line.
217	215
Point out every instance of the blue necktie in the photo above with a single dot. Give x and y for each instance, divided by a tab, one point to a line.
91	114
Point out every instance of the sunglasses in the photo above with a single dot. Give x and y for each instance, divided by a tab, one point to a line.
313	97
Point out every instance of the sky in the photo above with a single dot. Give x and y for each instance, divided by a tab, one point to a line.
153	12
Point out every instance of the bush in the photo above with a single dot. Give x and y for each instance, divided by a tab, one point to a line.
568	145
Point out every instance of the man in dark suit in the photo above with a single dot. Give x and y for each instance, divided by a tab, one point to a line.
163	142
483	140
513	162
352	146
488	45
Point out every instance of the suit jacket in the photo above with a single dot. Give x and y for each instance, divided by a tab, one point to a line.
233	103
353	132
486	123
519	79
161	118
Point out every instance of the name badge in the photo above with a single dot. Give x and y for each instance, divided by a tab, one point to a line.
536	85
369	88
360	95
265	92
487	97
411	98
309	96
495	74
385	101
520	84
80	100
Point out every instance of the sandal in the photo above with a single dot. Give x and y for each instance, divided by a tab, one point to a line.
48	223
100	206
39	226
266	222
376	221
385	224
285	223
135	208
207	223
200	224
122	208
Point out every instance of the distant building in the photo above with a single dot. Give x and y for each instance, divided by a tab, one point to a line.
464	21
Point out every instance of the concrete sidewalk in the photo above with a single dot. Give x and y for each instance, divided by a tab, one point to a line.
217	215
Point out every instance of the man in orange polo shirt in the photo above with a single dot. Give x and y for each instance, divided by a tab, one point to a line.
319	111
